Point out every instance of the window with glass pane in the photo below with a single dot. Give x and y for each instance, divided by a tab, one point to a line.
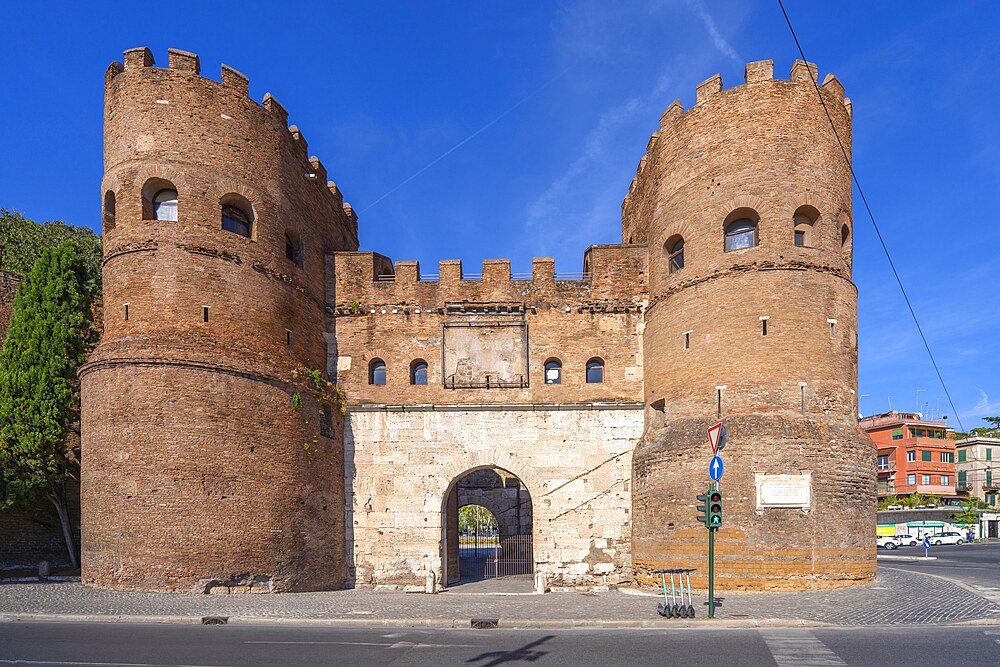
595	371
925	455
962	477
989	453
961	456
911	455
165	205
925	479
418	374
897	434
800	238
945	480
553	372
741	234
236	220
376	372
883	461
676	256
911	479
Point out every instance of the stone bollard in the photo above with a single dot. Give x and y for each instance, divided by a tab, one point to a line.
539	582
430	585
44	570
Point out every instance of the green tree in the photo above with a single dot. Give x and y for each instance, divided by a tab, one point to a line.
24	240
991	431
969	516
39	402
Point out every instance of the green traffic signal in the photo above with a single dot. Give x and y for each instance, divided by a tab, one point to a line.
714	514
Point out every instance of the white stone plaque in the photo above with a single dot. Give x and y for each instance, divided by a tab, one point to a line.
783	490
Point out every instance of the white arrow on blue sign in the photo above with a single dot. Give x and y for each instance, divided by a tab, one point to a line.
715	468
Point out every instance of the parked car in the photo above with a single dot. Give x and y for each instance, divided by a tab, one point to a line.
887	541
947	538
908	540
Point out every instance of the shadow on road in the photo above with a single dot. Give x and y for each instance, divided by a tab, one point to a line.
525	653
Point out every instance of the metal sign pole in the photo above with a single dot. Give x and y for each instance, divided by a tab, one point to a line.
711	572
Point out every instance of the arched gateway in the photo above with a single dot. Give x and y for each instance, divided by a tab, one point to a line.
502	547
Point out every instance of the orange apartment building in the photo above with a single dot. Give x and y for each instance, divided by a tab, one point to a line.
915	455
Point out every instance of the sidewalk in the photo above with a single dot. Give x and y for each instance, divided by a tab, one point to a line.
896	598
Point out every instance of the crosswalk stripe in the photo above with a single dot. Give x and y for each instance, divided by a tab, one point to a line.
799	648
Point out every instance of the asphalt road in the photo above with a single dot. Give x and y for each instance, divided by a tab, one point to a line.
972	564
151	645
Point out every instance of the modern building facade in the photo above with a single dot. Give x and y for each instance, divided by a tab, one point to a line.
977	465
915	455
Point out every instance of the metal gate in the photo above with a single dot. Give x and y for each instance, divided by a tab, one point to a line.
489	557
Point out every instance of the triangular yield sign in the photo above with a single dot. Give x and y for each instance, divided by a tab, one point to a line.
713	436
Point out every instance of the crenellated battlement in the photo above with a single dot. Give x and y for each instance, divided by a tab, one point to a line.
711	91
368	280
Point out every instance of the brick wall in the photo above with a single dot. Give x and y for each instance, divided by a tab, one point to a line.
196	467
764	151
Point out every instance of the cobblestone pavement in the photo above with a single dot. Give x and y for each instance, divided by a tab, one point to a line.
896	598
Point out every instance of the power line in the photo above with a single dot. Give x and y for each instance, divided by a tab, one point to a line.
871	216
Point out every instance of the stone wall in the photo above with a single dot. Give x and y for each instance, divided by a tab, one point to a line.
574	463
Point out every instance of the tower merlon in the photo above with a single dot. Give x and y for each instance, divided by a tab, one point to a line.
338	196
759	71
673	112
351	215
183	60
804	71
299	139
496	270
114	69
707	89
235	79
653	138
833	84
274	107
543	269
138	57
407	271
319	171
450	271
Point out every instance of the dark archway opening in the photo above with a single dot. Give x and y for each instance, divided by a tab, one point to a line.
488	532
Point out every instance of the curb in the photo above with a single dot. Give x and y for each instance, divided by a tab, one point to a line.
454	623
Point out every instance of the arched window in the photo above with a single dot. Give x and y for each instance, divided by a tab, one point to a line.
293	248
553	371
418	372
803	221
376	372
741	233
237	215
109	211
595	371
845	237
165	205
674	249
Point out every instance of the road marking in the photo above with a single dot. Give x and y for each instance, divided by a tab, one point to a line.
96	664
799	648
382	644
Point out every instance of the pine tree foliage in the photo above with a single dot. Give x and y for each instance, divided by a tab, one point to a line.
39	405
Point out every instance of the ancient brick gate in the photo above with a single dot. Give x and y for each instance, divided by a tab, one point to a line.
484	555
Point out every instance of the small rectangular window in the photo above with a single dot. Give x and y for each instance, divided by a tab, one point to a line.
911	479
833	327
800	238
961	456
962	477
925	479
897	434
883	461
288	337
126	312
911	455
763	326
687	340
204	313
989	453
925	455
718	402
945	480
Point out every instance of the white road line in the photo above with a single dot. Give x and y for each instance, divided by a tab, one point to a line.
382	644
96	664
799	648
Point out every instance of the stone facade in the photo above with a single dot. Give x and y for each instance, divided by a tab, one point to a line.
207	463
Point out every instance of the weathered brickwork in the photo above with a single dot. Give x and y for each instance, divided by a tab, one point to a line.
208	465
197	465
763	337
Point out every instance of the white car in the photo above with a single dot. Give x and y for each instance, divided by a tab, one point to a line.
947	538
887	541
908	540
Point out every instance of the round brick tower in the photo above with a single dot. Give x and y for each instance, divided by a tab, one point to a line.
211	458
745	203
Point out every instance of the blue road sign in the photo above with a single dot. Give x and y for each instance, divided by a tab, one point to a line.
927	543
715	468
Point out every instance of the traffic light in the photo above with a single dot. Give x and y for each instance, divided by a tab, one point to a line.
714	514
703	509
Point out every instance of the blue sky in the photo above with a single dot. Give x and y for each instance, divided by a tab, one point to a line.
565	95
